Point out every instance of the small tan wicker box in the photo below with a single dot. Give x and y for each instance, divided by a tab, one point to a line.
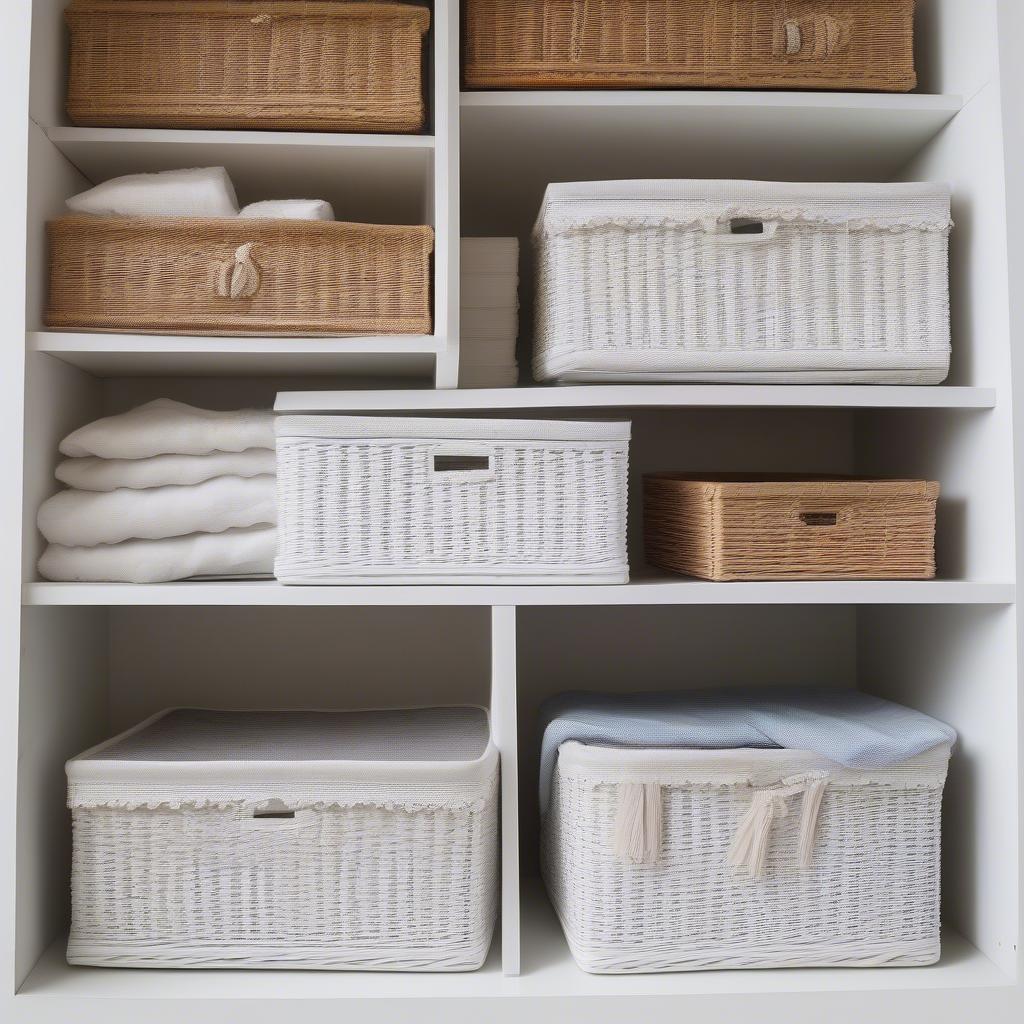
211	275
290	64
777	528
698	44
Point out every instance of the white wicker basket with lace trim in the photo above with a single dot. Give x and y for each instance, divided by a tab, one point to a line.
386	500
743	281
294	839
677	860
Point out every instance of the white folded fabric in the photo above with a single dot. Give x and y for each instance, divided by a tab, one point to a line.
191	192
497	324
232	553
489	291
504	376
490	255
165	427
85	518
289	209
93	474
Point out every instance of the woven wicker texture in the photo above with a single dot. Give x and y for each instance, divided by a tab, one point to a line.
333	840
731	44
458	500
648	278
765	529
237	276
869	897
290	64
362	888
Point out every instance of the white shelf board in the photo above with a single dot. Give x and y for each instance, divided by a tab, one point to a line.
590	135
152	355
366	177
548	971
660	590
630	396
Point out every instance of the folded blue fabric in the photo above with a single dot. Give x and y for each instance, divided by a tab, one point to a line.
851	728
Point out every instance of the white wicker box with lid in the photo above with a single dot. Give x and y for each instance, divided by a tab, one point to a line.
287	839
743	281
392	500
850	875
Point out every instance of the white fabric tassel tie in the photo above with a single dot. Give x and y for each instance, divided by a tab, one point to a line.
239	278
638	823
749	851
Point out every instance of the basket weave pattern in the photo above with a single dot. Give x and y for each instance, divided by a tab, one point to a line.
811	296
721	530
315	66
869	897
732	44
373	507
238	276
363	888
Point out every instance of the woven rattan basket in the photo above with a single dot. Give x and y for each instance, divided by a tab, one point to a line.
238	276
728	44
774	528
304	66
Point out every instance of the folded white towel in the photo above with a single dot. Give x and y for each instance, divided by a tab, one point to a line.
489	291
165	427
289	209
92	474
192	192
85	518
494	324
490	255
232	553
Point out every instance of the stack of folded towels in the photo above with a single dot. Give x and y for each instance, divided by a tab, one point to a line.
490	313
193	192
164	492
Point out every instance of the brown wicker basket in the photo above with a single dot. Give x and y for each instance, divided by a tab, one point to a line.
238	276
777	528
726	44
290	64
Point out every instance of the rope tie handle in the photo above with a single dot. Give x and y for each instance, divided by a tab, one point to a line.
239	277
813	38
637	837
749	851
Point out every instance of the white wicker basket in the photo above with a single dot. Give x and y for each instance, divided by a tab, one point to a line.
868	895
316	840
375	500
659	280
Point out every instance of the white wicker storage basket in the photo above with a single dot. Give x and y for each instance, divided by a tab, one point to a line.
743	281
869	895
294	839
380	500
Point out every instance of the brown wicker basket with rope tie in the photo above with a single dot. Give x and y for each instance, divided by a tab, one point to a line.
238	276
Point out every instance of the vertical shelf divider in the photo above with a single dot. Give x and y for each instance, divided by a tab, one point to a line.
446	196
505	731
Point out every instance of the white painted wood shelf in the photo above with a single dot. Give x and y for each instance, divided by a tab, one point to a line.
652	591
149	355
639	396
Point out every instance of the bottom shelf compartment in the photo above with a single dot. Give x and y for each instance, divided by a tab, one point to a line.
114	666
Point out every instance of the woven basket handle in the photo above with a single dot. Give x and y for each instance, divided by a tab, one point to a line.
814	38
239	277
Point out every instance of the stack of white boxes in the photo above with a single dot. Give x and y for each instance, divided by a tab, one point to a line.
490	313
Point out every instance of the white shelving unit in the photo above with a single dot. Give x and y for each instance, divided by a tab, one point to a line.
84	661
